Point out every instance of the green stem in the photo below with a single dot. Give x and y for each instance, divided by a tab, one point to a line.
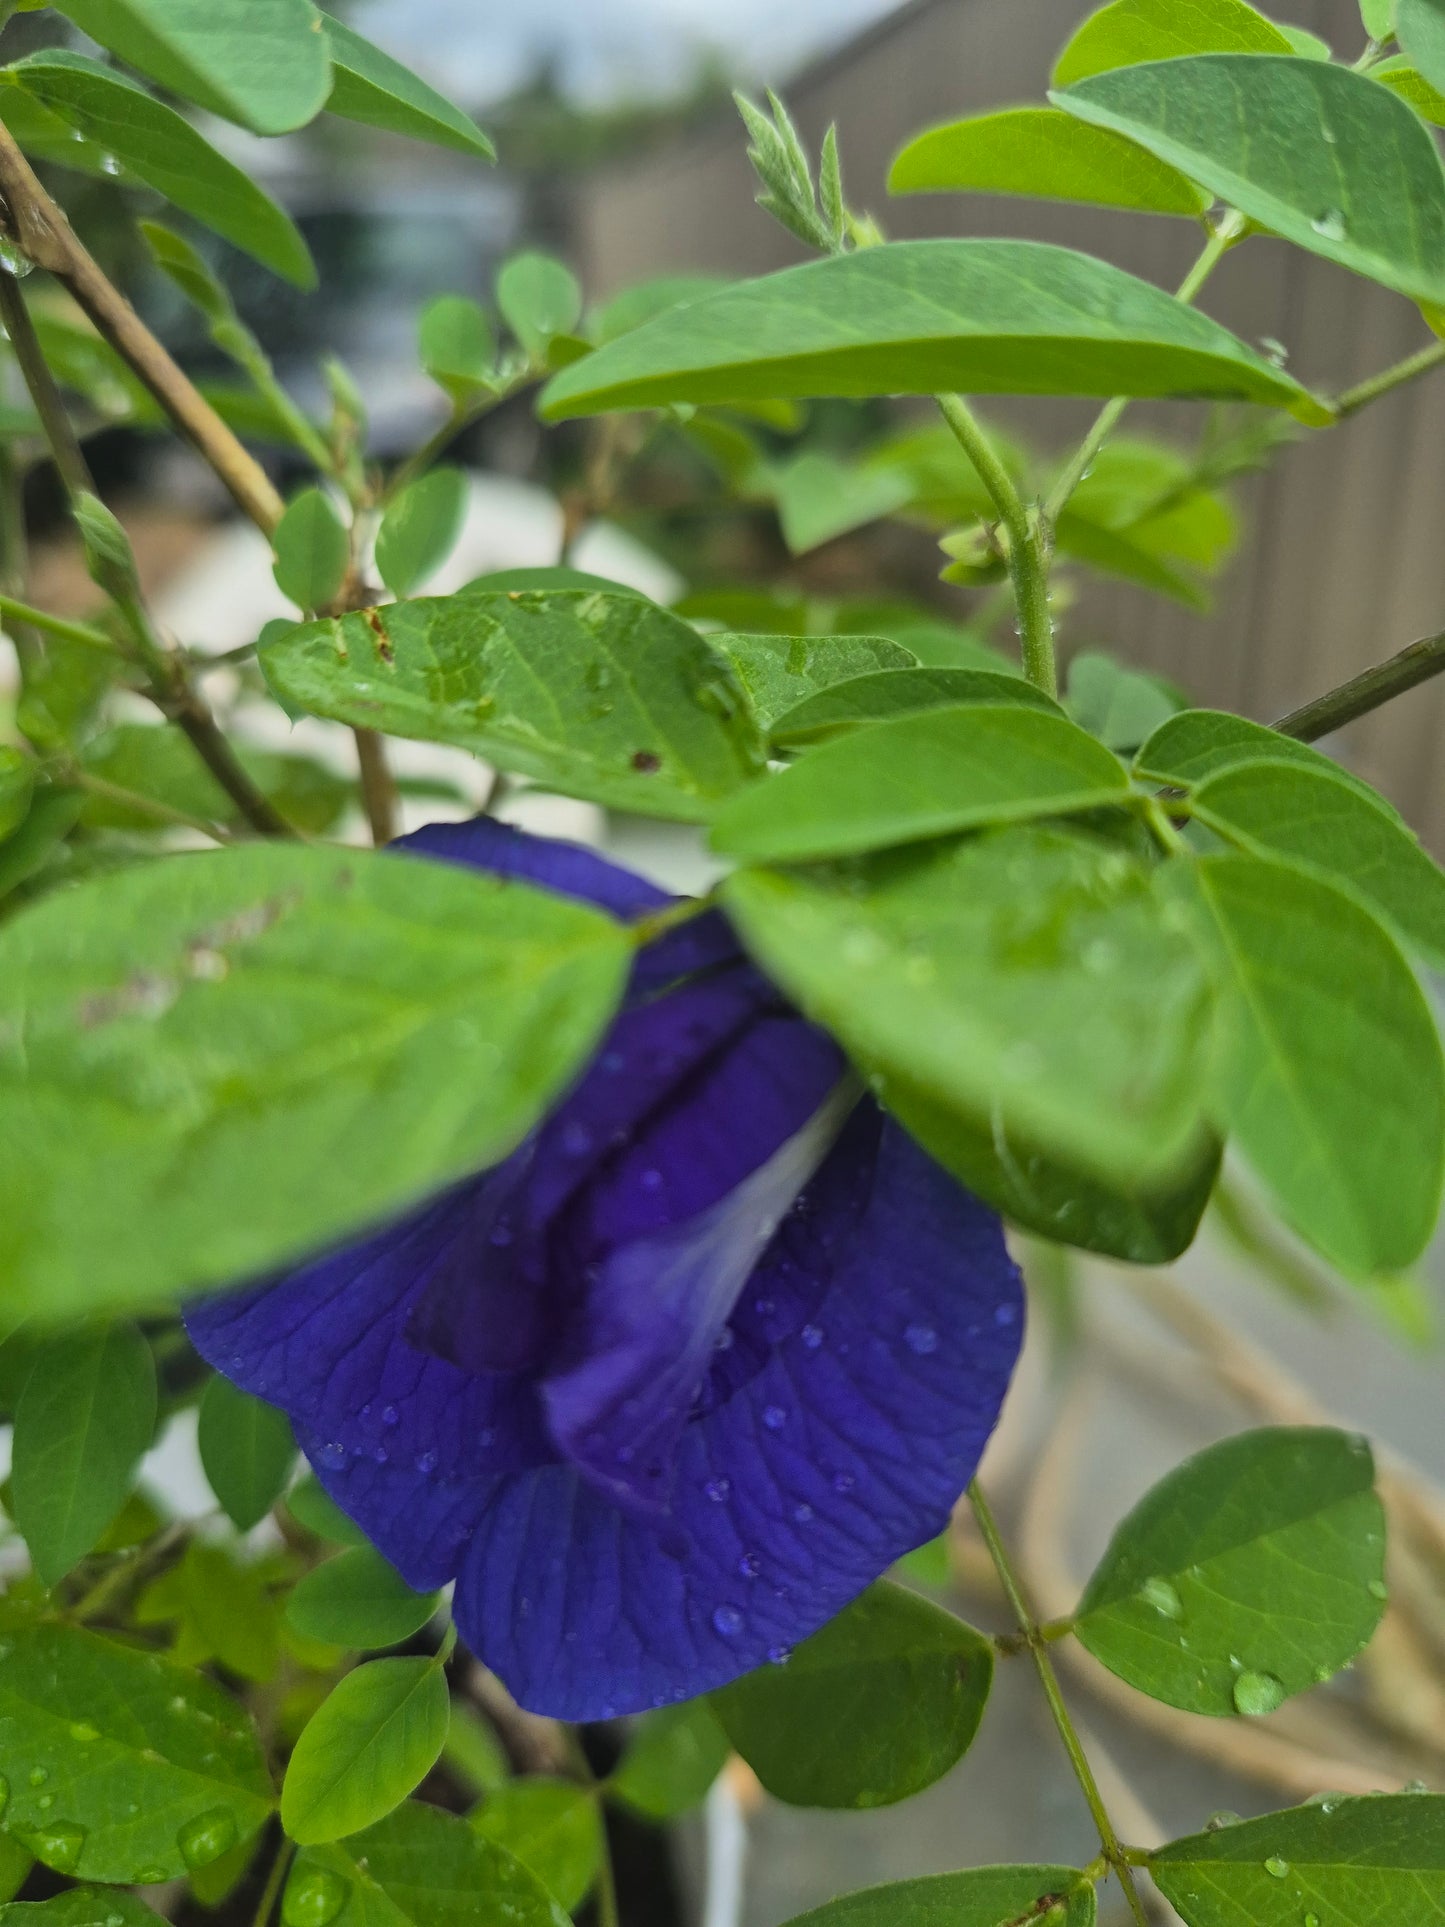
1028	548
275	1880
607	1913
457	423
1113	1850
145	805
1221	240
79	633
1389	379
1365	692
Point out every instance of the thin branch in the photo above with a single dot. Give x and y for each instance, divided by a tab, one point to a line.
1385	383
379	793
39	227
1368	691
79	633
144	805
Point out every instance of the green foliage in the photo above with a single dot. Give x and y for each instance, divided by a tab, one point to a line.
371	1743
1252	1572
597	695
82	1907
1042	152
871	1710
920	316
175	1011
263	63
247	1450
539	299
312	549
1420	25
420	529
160	147
780	672
1128	32
458	346
1355	177
553	1828
982	1897
85	1417
370	87
358	1601
1046	994
672	1760
309	1506
1376	1859
890	693
17	786
122	1766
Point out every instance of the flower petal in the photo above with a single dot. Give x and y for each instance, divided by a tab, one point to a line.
570	869
850	1446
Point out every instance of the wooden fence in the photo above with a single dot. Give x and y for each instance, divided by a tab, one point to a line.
1344	556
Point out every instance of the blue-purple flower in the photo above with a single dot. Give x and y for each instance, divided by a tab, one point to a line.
668	1388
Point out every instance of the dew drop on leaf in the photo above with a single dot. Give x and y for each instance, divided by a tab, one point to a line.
1256	1694
58	1845
314	1898
207	1837
1163	1597
4	1793
1277	1868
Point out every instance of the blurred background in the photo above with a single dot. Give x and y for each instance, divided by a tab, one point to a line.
620	151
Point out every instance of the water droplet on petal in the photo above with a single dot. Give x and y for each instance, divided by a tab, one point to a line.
426	1462
718	1489
207	1837
1256	1694
501	1236
576	1140
812	1337
921	1339
651	1180
725	1340
728	1621
779	1655
333	1456
844	1482
750	1565
314	1898
390	1415
803	1513
774	1417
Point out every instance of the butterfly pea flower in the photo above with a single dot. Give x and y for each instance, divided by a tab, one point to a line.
674	1383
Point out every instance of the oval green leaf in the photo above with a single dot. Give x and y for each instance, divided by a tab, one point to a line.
889	693
330	1034
1313	816
1401	78
1046	992
458	345
122	1766
312	550
247	1451
539	298
17	786
603	696
1329	1075
918	317
82	1907
419	1867
85	1418
779	672
981	1897
553	1828
1252	1572
421	528
371	1742
160	147
1044	153
1317	153
1339	1861
1131	31
359	1601
263	63
1198	743
370	87
874	1708
311	1506
1420	29
671	1761
920	776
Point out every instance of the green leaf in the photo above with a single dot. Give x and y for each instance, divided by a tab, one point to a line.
263	63
1252	1572
370	87
779	672
633	306
312	550
152	761
1042	152
603	696
1379	1859
419	1867
160	147
1378	18
40	838
871	1710
1117	553
17	786
888	693
1131	31
421	528
981	1897
538	298
1199	743
1120	706
553	1828
247	1451
372	1741
85	1419
918	776
1312	816
16	1862
359	1601
916	317
229	1613
820	498
1050	1199
82	1907
1302	41
1401	78
327	1034
311	1506
1420	27
122	1766
458	346
1328	1074
671	1761
1043	990
1313	152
